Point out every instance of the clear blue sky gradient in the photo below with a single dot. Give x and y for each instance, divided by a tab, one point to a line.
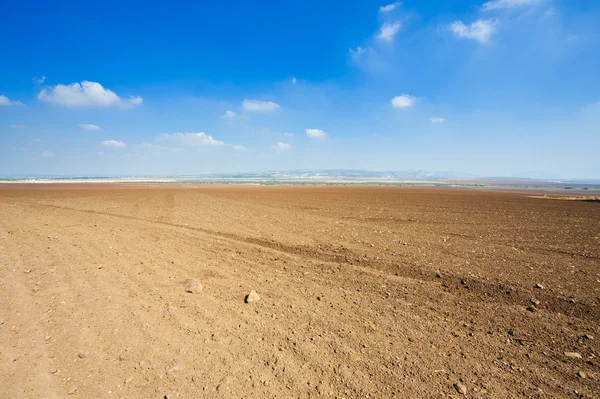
523	98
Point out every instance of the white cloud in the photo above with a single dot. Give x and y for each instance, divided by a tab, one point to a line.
47	154
316	133
389	7
282	146
389	30
16	126
88	126
85	94
113	144
480	30
289	134
7	101
437	120
403	101
239	147
505	4
192	139
137	100
259	106
229	114
357	53
39	81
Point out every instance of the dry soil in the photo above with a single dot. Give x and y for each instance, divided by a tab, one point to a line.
364	292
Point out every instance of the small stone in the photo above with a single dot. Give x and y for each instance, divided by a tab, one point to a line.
35	289
72	390
588	336
83	354
173	369
573	355
252	297
581	374
460	388
539	286
511	332
531	308
128	380
438	275
193	286
534	302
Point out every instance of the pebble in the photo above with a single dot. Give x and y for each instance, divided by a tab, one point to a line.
531	308
581	374
460	388
588	336
534	302
573	355
83	354
193	286
72	390
172	369
539	286
252	297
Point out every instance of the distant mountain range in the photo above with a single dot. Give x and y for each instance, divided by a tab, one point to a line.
330	174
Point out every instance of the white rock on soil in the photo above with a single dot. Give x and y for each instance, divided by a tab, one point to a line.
193	286
252	297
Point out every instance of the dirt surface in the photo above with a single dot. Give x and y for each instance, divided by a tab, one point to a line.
363	292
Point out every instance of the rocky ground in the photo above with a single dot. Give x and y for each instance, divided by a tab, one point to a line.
300	292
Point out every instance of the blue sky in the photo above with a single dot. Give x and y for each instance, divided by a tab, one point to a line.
489	88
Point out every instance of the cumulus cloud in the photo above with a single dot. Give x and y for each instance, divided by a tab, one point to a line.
480	30
357	54
505	4
113	144
7	101
88	126
316	133
389	7
389	30
282	146
403	101
85	94
437	120
259	106
191	139
137	100
47	154
229	114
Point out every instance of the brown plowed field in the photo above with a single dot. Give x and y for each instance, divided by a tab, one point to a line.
365	292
